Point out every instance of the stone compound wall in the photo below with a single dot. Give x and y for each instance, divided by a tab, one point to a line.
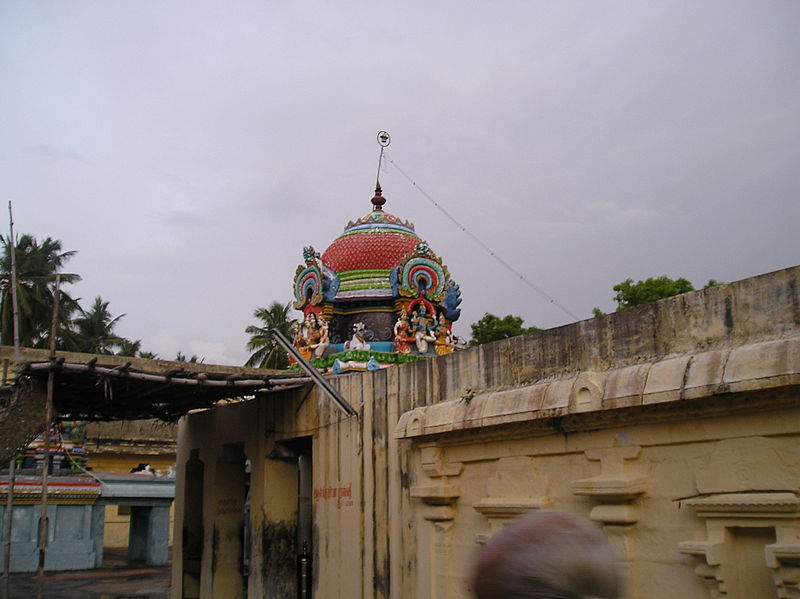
675	427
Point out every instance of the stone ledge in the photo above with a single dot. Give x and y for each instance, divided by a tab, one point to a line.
671	381
443	494
611	488
509	506
784	503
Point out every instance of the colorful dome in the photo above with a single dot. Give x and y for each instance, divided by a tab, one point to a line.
365	254
376	270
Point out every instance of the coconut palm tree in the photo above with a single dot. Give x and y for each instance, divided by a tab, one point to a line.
94	329
37	265
194	359
266	353
129	348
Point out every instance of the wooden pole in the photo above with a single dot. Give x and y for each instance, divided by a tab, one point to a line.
9	520
48	421
11	246
7	525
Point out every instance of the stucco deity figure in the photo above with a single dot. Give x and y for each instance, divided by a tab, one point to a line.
316	335
424	327
403	335
358	340
444	343
300	341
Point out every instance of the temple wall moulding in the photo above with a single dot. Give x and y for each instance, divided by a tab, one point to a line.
669	383
515	488
734	522
616	488
739	464
439	495
587	392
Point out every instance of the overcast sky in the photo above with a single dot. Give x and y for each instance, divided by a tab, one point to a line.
189	150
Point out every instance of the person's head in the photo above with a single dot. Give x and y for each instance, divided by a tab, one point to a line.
546	555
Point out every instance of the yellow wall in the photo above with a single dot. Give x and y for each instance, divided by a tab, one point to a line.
675	428
117	523
110	446
100	462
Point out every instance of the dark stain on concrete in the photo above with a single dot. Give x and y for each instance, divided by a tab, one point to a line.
729	312
280	559
382	584
214	547
795	299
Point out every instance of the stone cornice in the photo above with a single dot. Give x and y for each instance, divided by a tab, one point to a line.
437	494
670	383
776	504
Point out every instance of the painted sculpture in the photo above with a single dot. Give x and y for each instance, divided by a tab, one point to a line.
311	337
378	295
358	341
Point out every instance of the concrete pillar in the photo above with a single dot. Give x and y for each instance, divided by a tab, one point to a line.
98	528
158	536
148	540
139	532
228	523
192	526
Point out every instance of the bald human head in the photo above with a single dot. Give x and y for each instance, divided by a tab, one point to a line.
546	555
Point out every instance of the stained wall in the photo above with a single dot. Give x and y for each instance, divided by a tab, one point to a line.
675	427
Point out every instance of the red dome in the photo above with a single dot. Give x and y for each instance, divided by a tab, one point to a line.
368	250
375	241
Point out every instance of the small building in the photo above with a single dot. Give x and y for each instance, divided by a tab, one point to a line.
75	523
76	513
116	449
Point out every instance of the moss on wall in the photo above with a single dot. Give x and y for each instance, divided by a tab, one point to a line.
279	552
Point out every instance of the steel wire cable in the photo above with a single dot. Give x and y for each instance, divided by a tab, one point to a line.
477	240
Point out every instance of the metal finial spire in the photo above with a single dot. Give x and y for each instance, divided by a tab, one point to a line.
378	200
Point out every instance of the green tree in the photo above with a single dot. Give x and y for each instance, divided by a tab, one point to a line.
630	294
194	359
94	329
126	347
37	266
148	355
266	352
492	328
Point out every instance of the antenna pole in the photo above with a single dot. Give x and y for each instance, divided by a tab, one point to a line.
383	141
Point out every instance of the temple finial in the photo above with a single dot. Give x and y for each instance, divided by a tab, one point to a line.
378	200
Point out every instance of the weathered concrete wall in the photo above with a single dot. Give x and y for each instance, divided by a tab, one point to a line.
74	537
675	427
217	433
253	428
